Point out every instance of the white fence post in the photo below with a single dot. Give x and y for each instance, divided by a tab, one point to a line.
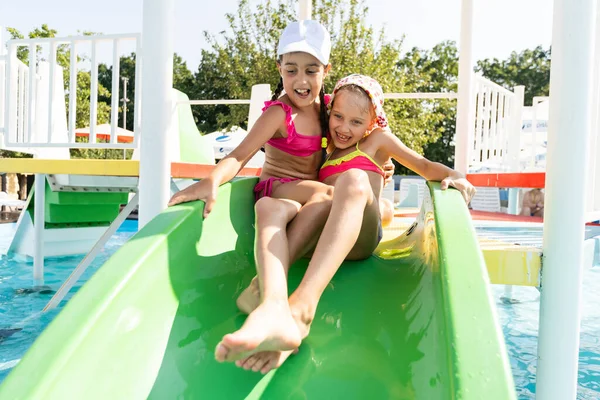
564	214
514	144
465	107
38	227
514	135
260	94
305	10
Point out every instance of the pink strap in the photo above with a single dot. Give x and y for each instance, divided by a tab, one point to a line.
291	129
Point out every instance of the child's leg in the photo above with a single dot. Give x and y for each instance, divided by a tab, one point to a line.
271	254
270	326
351	230
352	227
302	233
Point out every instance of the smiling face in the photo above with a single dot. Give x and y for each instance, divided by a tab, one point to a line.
302	76
351	117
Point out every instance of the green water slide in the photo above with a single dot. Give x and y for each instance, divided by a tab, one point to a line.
414	322
193	147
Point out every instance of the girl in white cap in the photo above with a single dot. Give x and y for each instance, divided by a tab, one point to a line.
292	130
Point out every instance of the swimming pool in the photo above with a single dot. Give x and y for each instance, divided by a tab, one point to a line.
22	310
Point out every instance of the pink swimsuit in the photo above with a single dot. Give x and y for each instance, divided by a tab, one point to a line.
294	144
356	159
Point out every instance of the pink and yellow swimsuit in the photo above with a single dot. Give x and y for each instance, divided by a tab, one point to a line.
355	160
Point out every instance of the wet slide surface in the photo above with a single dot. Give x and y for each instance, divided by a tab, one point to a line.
414	322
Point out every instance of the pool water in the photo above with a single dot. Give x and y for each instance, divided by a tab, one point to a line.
21	309
520	320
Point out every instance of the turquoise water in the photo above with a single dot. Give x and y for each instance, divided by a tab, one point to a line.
519	318
519	322
22	309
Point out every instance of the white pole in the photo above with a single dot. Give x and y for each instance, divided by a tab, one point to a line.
593	198
38	226
3	77
260	94
465	108
305	10
514	135
157	84
534	107
564	215
2	48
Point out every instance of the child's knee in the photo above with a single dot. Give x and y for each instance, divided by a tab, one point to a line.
354	182
270	208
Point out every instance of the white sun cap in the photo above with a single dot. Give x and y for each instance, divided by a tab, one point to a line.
306	36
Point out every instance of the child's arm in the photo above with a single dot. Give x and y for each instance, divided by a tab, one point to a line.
206	189
432	171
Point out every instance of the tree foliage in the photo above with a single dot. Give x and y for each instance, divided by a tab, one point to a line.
436	70
530	68
245	55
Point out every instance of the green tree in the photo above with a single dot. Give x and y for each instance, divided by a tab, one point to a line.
245	55
530	68
436	70
182	80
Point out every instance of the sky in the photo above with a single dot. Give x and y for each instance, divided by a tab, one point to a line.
500	26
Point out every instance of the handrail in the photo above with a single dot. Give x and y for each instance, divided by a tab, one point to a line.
388	96
89	258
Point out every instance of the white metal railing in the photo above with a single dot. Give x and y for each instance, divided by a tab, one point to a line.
497	126
262	92
32	117
389	96
16	101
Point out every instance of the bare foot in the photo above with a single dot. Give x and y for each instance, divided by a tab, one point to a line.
265	361
250	297
269	327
